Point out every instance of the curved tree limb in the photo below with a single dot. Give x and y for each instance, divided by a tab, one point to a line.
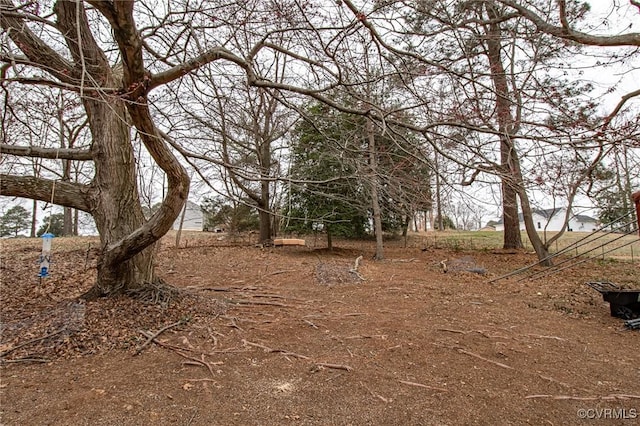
136	79
67	194
195	63
37	51
567	33
619	106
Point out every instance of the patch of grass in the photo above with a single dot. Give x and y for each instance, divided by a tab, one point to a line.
579	243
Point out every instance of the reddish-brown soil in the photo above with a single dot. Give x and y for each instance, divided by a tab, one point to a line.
292	336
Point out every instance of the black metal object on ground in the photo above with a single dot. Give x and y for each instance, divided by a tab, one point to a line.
633	324
623	303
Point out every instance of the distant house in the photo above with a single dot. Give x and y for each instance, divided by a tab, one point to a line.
193	218
553	220
490	226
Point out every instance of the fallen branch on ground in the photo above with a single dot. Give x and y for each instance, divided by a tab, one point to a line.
367	336
268	349
284	271
420	385
158	333
499	364
611	397
310	323
41	360
251	302
295	355
540	336
334	366
183	355
375	395
29	342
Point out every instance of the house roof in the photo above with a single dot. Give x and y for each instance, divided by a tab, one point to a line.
193	206
549	213
584	218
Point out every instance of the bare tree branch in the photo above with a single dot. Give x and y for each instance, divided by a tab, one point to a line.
42	56
50	153
68	194
195	63
567	33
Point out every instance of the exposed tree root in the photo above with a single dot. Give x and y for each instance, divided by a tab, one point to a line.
157	292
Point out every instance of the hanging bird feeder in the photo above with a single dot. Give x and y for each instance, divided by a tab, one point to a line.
45	256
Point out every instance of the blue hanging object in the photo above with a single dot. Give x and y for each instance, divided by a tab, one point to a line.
45	256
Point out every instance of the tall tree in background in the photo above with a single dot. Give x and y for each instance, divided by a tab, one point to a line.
243	129
324	190
14	221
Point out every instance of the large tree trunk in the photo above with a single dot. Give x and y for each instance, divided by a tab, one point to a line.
34	218
264	212
512	238
117	210
506	127
125	262
541	249
375	200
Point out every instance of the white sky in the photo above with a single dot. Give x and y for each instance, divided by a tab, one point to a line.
608	18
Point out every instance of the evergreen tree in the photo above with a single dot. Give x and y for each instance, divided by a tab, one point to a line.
53	224
327	194
16	219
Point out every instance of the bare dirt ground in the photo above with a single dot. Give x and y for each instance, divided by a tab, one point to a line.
293	336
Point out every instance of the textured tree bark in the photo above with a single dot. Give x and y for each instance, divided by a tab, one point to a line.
506	124
636	199
116	207
125	263
375	201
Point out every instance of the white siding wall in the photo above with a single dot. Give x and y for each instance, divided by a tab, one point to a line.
193	218
555	224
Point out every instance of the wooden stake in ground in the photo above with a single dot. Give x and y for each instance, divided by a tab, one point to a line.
356	265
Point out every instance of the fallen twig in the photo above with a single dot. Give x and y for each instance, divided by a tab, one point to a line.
268	349
450	330
29	342
499	364
356	265
376	395
540	336
183	355
310	323
552	380
284	271
42	360
420	385
153	336
252	302
222	289
334	366
233	323
586	398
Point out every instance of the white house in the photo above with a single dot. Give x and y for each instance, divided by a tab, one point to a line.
553	220
193	218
